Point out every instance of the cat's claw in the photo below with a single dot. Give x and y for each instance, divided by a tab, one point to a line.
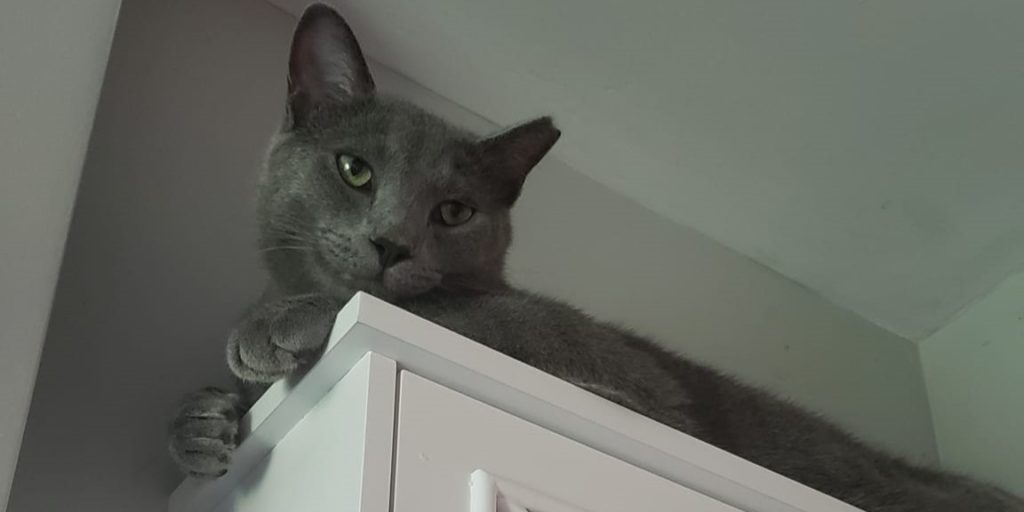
277	339
205	432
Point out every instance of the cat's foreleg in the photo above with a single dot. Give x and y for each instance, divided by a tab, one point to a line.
278	338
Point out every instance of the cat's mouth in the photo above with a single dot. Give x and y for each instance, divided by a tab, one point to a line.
334	275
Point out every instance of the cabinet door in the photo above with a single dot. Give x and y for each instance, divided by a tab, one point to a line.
455	454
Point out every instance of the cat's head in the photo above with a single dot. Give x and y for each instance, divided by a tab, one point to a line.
366	192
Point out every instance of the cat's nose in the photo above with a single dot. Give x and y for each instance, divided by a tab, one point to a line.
389	252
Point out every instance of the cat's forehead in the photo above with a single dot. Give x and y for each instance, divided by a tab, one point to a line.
393	123
398	138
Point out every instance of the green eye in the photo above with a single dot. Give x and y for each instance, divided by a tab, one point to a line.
454	213
354	170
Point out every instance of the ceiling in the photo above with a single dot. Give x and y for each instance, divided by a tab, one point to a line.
869	150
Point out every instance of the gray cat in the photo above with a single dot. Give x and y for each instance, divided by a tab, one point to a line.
363	192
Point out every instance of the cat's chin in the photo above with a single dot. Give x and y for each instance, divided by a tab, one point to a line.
405	280
390	285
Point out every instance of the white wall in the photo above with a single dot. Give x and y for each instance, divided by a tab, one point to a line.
52	57
160	259
974	369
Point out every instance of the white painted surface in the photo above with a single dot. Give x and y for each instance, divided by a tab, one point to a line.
444	438
975	373
869	150
490	493
328	440
53	55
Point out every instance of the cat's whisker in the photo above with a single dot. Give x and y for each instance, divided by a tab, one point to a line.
285	248
285	234
285	227
292	240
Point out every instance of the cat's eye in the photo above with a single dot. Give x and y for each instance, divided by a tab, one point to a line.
454	213
354	170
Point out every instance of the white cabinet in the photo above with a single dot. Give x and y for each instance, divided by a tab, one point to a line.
483	456
475	431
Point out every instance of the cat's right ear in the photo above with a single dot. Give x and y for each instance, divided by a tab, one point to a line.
510	155
326	64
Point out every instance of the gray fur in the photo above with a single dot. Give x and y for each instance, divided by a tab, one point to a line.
321	238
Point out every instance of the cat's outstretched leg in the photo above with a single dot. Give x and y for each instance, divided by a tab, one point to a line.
272	341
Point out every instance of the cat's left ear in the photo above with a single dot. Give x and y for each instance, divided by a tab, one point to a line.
510	155
326	63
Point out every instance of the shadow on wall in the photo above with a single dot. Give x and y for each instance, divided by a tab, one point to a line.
160	258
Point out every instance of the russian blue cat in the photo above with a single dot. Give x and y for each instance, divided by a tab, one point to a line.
365	192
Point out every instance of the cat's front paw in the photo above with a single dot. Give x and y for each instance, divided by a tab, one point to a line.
204	432
276	339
